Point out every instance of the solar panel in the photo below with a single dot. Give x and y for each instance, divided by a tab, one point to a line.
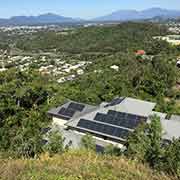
100	117
62	110
110	119
108	130
120	119
76	106
103	128
82	123
130	121
67	112
116	113
121	133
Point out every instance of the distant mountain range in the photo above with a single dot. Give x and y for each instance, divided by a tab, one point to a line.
125	15
48	18
121	15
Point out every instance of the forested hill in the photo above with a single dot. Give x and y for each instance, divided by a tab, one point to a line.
124	37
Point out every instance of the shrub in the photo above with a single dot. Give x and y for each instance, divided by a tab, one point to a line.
112	150
88	142
171	159
55	143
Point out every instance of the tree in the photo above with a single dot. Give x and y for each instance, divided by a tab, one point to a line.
27	139
154	132
145	143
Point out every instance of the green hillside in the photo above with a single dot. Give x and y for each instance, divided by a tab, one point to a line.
124	37
77	165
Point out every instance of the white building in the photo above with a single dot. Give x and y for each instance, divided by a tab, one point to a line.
80	72
109	123
116	68
100	121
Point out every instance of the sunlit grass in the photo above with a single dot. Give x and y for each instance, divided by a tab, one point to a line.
77	165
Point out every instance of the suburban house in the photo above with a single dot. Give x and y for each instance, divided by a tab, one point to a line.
109	122
140	53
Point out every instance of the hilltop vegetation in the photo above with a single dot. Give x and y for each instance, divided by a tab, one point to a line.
77	165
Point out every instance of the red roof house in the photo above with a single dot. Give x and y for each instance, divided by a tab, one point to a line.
140	53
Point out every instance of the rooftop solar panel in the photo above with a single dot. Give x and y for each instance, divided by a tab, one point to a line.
109	130
103	128
120	119
121	133
67	112
100	117
110	119
62	110
76	106
116	113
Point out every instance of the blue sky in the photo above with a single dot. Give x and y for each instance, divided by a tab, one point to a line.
78	8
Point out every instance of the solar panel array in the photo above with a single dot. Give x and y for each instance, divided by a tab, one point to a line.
76	106
105	129
114	124
70	110
120	119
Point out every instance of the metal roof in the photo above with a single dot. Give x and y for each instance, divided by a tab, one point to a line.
127	105
135	106
171	127
159	114
175	117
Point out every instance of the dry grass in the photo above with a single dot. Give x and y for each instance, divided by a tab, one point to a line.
77	165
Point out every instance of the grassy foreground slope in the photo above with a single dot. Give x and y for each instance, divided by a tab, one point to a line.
77	165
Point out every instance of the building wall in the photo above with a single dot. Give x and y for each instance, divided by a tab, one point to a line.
100	141
58	121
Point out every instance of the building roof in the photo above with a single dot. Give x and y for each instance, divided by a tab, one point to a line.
171	128
128	106
175	117
140	52
159	114
126	110
56	111
135	106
